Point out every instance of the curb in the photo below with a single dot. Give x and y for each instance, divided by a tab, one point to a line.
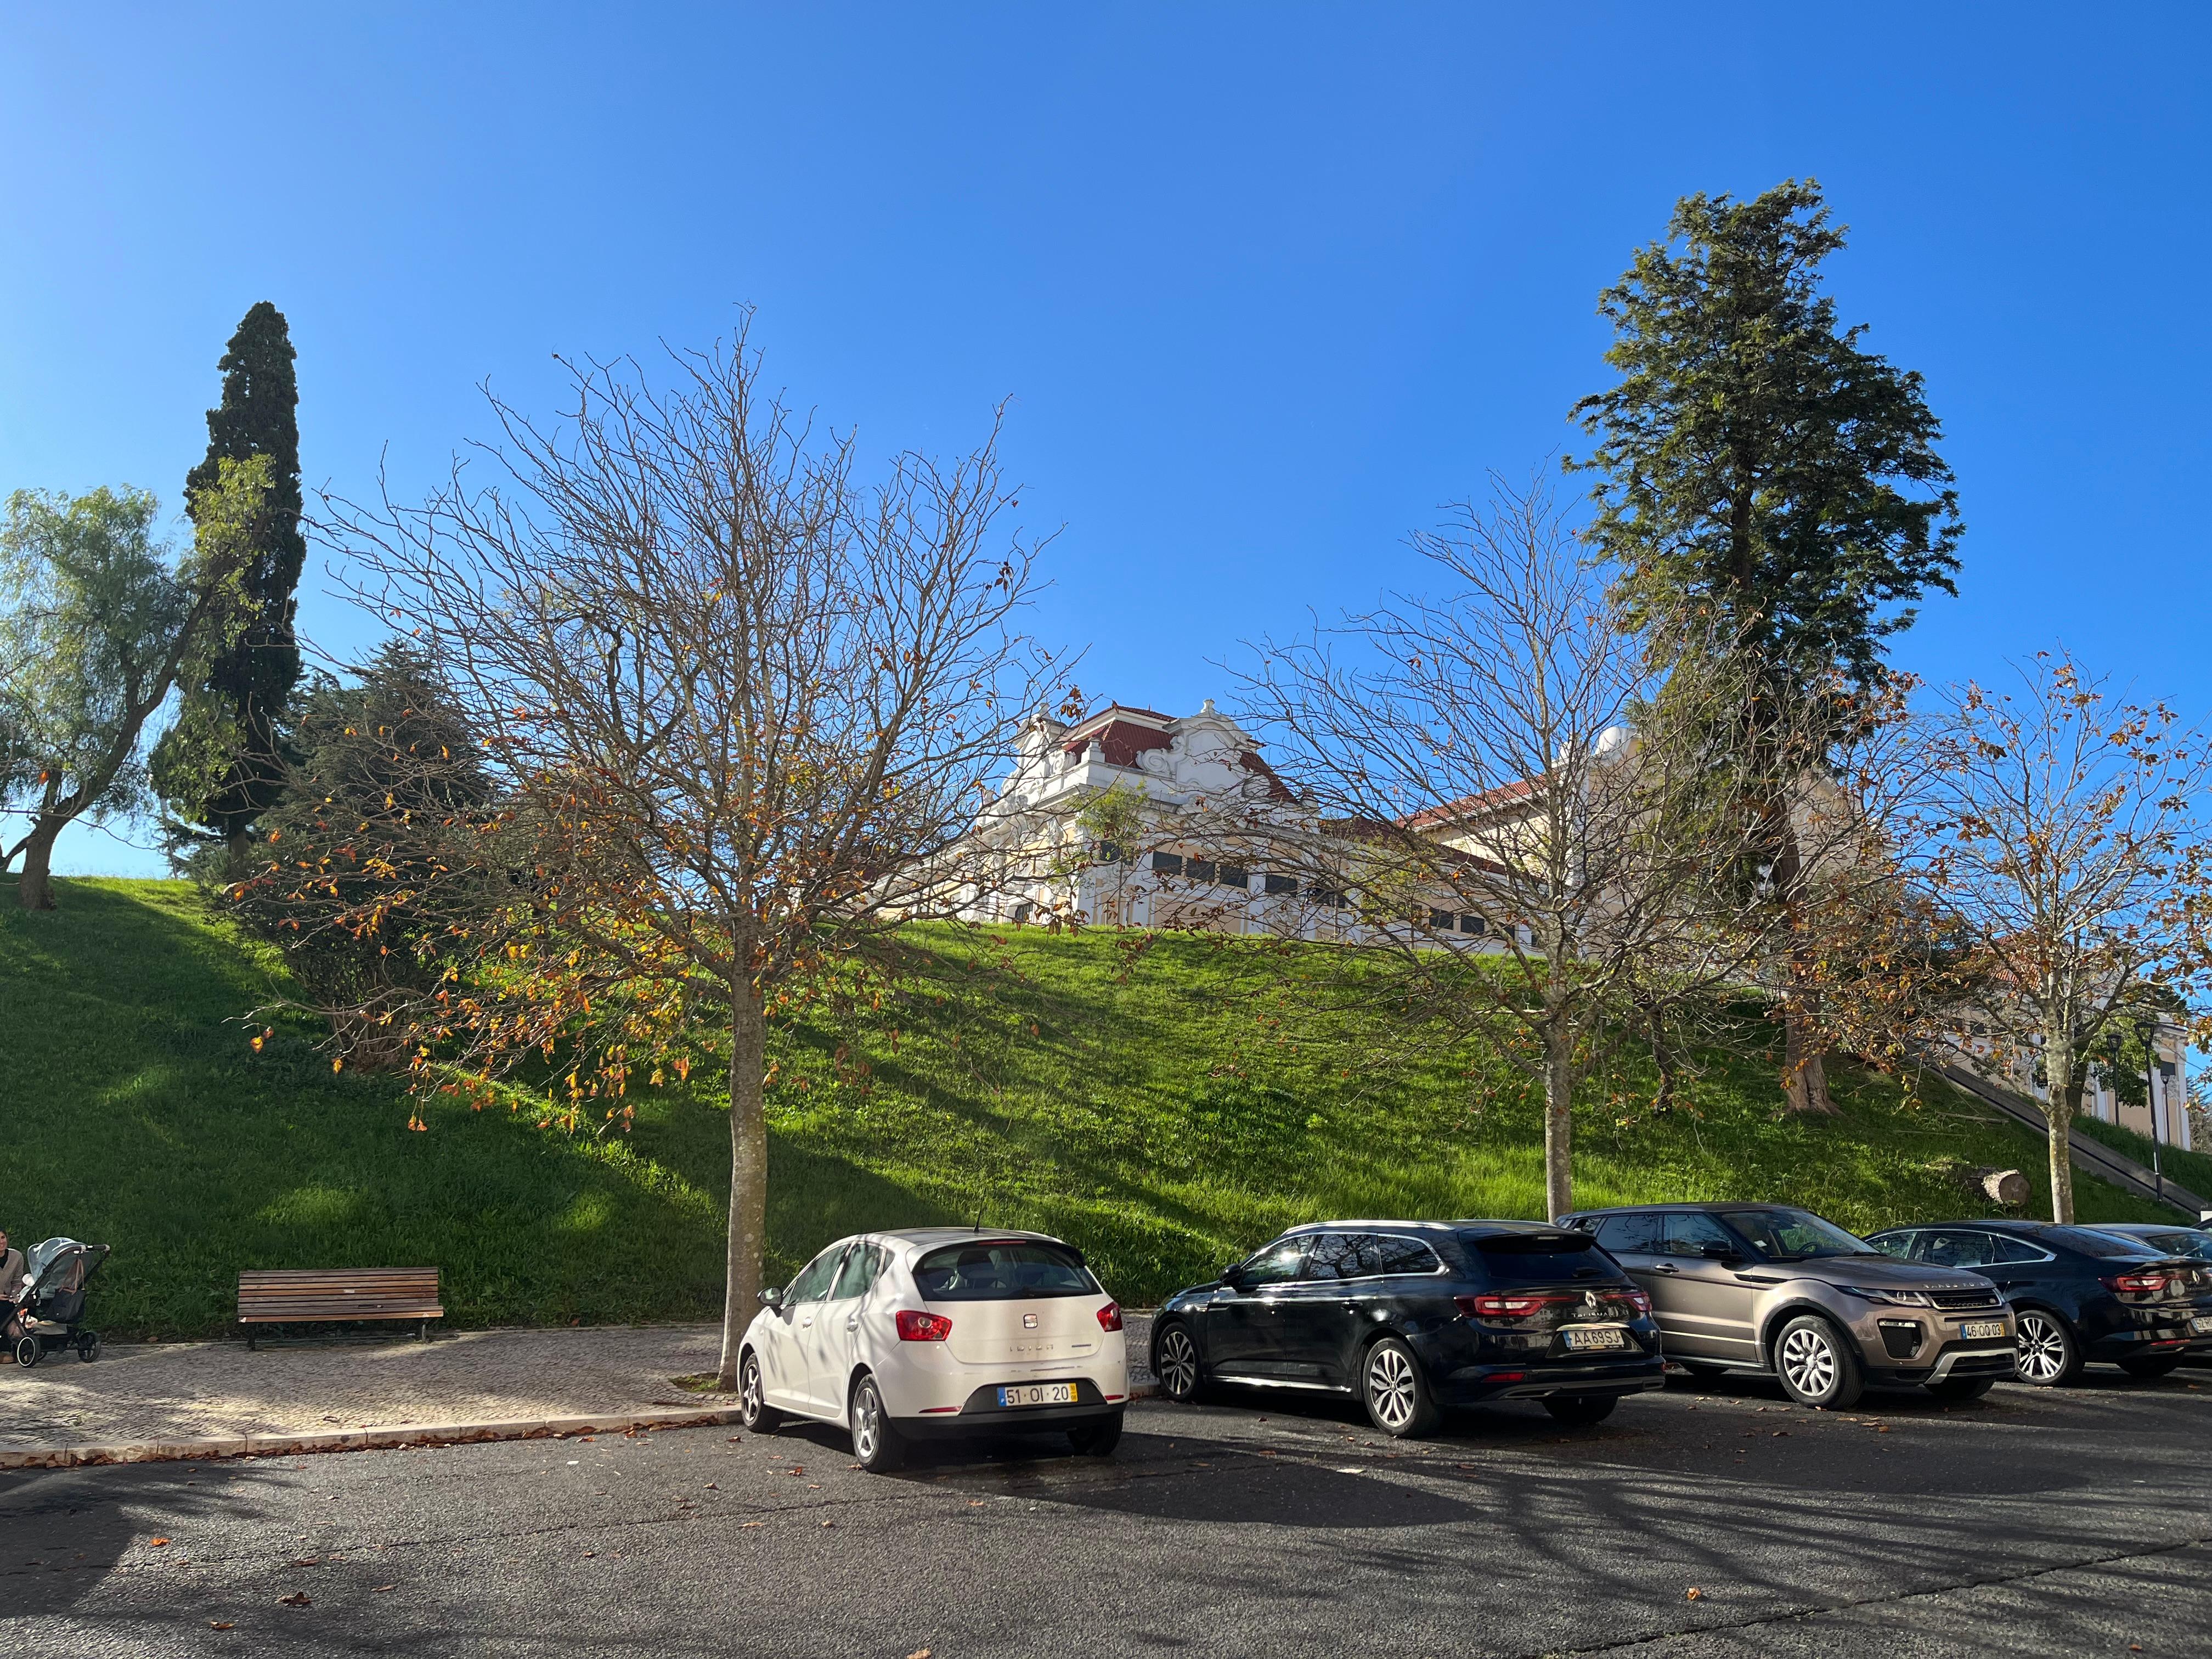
403	1434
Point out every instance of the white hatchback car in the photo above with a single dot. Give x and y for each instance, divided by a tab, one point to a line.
939	1332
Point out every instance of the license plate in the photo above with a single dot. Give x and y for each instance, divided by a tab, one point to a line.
1596	1336
1982	1330
1039	1394
2201	1324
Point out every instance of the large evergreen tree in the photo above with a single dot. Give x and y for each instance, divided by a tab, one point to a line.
222	765
1762	474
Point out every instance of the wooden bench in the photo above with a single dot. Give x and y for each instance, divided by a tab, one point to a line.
289	1295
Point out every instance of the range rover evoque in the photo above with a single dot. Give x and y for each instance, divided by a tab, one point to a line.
1769	1287
1414	1317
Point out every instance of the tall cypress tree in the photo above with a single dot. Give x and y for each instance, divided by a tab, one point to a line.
1757	469
222	765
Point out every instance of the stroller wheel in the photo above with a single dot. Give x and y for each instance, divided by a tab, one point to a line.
87	1346
26	1350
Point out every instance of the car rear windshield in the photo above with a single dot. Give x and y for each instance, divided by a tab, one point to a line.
1539	1258
1002	1270
2095	1243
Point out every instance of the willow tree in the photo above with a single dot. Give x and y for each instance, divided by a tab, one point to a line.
1761	472
736	709
99	622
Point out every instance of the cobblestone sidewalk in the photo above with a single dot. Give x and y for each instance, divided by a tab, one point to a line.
206	1390
194	1390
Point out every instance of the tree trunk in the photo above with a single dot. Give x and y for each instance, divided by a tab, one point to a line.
237	851
34	888
2059	1110
1804	1069
1558	1128
748	1237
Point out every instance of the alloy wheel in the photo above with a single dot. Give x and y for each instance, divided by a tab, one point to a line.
1178	1365
868	1421
751	1398
1390	1388
1809	1361
2042	1349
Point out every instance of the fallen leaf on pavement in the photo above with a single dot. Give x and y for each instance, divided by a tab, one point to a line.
305	1561
222	1624
381	1588
919	1653
829	1523
156	1543
742	1525
297	1599
1693	1593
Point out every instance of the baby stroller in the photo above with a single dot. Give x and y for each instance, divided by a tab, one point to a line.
54	1276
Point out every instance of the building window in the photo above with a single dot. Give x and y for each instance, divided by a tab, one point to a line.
1280	884
1440	921
1324	895
1167	864
1231	876
1199	869
1472	924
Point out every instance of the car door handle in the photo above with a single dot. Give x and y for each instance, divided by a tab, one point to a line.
809	1320
853	1324
1664	1267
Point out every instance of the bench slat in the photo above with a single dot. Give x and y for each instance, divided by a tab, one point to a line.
269	1295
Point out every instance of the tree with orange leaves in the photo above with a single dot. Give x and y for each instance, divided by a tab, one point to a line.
737	707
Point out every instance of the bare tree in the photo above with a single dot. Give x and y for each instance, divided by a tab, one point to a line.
738	709
2067	836
1544	832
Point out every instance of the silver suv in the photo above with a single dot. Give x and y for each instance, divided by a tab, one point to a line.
1771	1288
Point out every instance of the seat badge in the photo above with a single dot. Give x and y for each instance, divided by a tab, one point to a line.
1028	1322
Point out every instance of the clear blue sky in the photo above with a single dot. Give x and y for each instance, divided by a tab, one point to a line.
1265	284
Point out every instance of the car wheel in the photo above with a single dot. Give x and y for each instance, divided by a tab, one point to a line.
1175	1362
2148	1368
1816	1365
88	1345
876	1442
1581	1408
1096	1439
27	1351
753	1409
2048	1354
1959	1389
1396	1392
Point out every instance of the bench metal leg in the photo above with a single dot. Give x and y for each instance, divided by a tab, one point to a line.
422	1331
250	1340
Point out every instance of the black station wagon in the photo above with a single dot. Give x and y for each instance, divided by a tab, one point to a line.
1415	1316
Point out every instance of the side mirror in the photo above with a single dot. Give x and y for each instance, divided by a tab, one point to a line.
1233	1275
1721	1253
771	1298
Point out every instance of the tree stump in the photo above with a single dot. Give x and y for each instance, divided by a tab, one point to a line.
2005	1186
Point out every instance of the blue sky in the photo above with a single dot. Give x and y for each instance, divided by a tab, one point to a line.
1264	285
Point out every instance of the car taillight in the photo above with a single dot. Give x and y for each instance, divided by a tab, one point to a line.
1495	1306
922	1327
1109	1316
2146	1284
1639	1300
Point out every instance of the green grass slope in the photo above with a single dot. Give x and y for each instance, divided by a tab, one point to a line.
1164	1101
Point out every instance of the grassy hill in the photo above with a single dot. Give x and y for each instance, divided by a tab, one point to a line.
1163	1100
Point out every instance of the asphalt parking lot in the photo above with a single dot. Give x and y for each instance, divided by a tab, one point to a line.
1697	1522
